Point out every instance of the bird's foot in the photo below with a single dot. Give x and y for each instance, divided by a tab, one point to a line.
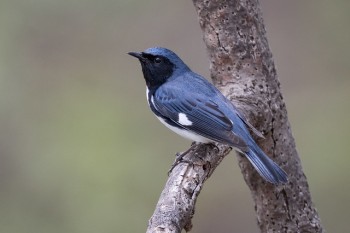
179	158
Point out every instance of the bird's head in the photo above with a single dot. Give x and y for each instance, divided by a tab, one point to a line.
158	65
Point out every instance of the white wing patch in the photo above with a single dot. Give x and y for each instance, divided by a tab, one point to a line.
183	120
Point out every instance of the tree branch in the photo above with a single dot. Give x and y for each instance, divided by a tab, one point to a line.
176	204
243	69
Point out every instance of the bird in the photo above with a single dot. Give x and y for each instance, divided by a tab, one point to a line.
192	107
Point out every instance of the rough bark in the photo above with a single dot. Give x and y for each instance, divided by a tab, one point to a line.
176	204
242	68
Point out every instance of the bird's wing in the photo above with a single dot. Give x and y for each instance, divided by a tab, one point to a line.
250	126
243	118
198	114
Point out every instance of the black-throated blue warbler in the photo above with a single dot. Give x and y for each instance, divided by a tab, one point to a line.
192	107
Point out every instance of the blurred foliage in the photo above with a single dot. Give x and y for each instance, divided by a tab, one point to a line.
81	152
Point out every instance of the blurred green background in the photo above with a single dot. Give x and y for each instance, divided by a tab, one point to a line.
81	152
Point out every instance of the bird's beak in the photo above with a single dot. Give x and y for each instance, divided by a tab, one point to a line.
137	55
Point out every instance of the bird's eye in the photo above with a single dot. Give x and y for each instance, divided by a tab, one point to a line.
157	60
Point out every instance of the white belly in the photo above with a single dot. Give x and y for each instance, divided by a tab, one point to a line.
186	133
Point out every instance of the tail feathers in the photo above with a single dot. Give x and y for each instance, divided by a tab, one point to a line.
267	168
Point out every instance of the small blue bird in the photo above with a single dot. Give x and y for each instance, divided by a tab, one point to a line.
192	107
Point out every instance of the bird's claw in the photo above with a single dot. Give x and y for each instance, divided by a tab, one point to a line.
179	158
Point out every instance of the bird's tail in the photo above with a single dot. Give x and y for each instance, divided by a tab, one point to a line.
267	168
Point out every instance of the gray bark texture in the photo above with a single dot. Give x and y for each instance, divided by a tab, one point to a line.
242	68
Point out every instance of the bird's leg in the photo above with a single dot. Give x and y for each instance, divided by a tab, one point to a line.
179	157
216	147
